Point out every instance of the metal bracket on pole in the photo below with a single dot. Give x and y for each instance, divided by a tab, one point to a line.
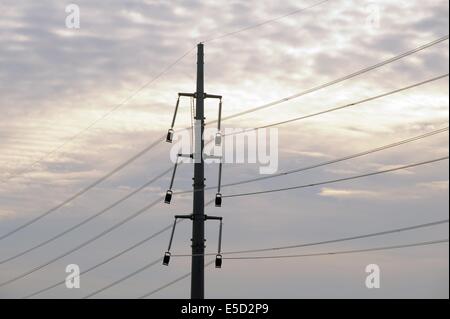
169	192
186	155
218	138
167	254
212	96
218	261
169	137
187	94
170	133
166	258
184	216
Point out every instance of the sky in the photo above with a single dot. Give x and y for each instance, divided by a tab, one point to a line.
55	82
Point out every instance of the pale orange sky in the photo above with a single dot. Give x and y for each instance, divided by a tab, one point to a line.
55	81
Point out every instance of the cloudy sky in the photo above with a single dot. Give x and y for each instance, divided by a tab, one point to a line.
56	82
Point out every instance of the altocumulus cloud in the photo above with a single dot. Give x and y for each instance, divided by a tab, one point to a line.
55	81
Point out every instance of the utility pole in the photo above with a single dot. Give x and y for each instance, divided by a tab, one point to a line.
198	216
198	222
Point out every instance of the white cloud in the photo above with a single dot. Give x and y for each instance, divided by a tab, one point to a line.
304	153
435	185
348	193
419	191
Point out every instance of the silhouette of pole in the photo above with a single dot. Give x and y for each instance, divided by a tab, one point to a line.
198	222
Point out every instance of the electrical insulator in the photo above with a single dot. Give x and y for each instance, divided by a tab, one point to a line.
218	261
166	259
168	197
218	200
169	137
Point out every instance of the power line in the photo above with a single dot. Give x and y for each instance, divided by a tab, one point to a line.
125	278
337	180
144	151
84	190
345	105
134	273
134	246
171	283
147	84
341	79
341	159
236	252
85	221
303	255
210	39
334	161
55	209
422	136
155	262
85	243
145	240
405	54
92	124
230	184
332	241
168	68
141	269
425	243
